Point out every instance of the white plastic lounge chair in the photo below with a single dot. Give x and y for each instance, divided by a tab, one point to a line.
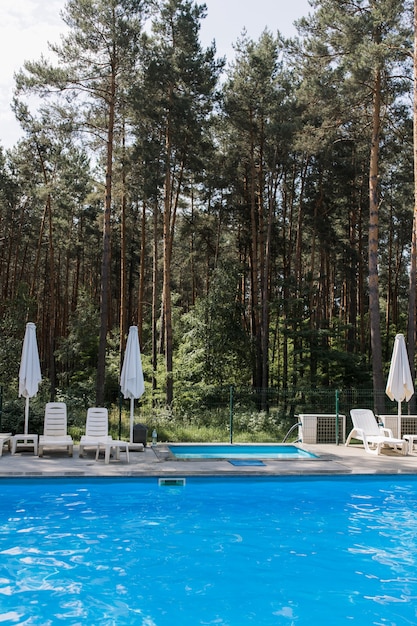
55	429
96	429
374	437
5	439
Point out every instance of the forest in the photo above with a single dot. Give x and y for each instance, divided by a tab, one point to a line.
254	217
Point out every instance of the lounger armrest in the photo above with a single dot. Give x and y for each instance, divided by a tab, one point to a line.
386	431
359	433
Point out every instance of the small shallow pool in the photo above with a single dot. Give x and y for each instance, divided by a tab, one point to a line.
239	451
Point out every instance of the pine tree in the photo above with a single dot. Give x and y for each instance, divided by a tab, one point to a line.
96	61
350	56
177	95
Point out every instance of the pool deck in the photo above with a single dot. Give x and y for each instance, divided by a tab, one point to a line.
156	461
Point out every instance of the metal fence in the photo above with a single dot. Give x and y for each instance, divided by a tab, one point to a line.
234	410
246	409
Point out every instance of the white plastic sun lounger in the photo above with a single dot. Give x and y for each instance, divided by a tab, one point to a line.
96	429
5	439
374	437
55	429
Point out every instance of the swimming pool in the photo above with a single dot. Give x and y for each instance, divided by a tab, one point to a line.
283	551
239	451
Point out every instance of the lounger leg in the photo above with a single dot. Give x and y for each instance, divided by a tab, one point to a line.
375	450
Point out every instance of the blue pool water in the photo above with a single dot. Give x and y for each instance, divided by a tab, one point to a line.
230	552
239	451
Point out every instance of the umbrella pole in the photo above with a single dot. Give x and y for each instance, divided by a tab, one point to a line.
399	420
120	414
26	416
132	410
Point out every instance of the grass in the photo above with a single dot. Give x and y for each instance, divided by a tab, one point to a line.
204	428
191	433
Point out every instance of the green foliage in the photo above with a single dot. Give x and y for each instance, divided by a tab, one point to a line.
214	348
11	334
267	187
77	352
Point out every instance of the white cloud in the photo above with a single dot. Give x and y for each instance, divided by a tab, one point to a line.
26	27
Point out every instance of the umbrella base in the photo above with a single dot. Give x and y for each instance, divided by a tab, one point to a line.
140	434
137	447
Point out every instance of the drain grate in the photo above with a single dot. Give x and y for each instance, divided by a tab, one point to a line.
171	482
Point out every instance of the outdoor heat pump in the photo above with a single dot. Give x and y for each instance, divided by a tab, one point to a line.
321	428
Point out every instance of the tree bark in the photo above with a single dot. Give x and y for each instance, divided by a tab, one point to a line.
155	297
374	309
105	266
123	272
411	331
167	310
141	288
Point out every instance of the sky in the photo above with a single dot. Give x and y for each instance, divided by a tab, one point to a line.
26	27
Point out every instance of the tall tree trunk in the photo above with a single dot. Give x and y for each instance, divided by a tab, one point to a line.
52	304
123	272
105	267
166	333
411	334
167	306
141	288
298	288
155	296
266	283
374	310
256	231
171	200
51	308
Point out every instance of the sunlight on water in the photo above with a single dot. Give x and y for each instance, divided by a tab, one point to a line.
230	552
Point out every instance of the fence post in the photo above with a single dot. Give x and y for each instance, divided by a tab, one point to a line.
231	413
120	413
337	416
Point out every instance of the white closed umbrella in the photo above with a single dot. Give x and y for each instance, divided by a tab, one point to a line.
400	385
132	384
30	370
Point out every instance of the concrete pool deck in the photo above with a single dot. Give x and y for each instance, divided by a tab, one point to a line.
156	461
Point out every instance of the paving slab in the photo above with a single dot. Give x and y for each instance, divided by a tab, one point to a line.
156	461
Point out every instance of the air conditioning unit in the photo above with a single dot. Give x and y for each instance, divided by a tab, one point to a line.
321	428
